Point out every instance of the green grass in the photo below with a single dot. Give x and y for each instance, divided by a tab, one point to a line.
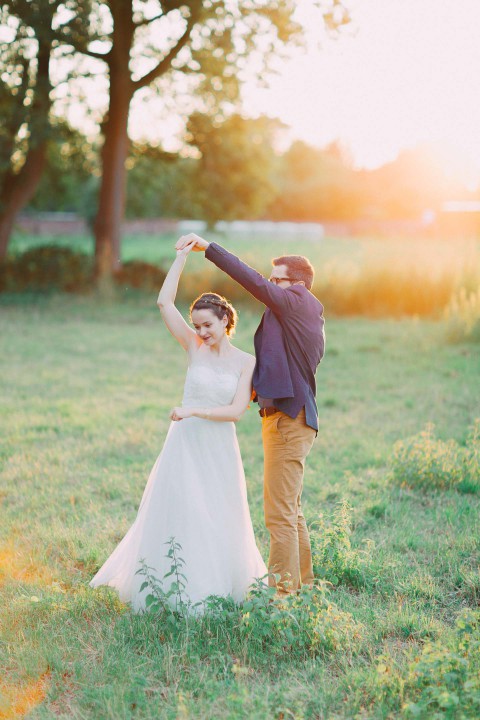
86	390
434	255
371	277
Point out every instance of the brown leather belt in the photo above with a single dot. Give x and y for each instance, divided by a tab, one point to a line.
266	411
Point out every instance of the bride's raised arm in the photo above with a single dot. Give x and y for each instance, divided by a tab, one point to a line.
181	331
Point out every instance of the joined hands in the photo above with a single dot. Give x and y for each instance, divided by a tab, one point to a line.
191	242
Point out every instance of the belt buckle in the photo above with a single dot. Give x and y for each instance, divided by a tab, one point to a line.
267	411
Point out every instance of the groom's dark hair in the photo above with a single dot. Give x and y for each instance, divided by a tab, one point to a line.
299	268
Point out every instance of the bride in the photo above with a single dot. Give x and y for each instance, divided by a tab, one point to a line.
196	490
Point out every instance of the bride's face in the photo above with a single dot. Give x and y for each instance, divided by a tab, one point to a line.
208	326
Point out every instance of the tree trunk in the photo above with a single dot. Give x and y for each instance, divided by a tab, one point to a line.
111	203
18	190
108	222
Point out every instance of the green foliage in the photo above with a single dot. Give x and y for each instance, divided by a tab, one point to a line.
300	624
316	185
51	267
445	679
85	409
140	275
160	184
462	316
425	462
47	268
233	180
334	559
69	181
170	604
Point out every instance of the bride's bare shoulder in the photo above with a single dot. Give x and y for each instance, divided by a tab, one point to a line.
243	358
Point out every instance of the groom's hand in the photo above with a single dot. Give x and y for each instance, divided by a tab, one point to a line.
200	245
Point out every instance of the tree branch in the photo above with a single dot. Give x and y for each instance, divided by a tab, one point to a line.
165	63
83	50
147	21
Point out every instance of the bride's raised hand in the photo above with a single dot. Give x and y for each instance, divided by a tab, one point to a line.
199	244
185	249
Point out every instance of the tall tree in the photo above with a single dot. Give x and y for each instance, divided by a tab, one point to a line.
207	42
233	178
26	95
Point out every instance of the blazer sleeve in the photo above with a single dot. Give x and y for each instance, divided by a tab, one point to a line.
277	299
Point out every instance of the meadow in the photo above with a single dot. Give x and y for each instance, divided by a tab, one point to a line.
87	384
369	276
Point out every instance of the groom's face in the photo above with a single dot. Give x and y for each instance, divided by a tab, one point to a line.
279	276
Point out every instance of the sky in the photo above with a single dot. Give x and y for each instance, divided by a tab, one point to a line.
406	73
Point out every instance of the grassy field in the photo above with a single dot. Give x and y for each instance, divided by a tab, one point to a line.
435	256
86	390
371	277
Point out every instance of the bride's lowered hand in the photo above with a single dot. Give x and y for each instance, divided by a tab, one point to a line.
180	413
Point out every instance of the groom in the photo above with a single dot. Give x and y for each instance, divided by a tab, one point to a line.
289	344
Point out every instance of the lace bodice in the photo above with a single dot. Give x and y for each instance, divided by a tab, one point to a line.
212	381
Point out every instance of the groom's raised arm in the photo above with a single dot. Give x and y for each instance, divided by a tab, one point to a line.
269	294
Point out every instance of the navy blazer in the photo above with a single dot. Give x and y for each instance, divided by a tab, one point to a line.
289	342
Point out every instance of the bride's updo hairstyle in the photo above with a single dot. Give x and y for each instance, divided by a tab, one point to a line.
219	306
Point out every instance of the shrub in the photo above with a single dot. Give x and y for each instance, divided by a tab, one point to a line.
425	462
445	680
52	267
462	316
334	559
140	275
302	624
47	267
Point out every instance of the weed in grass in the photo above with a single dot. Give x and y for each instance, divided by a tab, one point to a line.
302	624
378	510
297	625
334	559
425	462
171	604
444	682
462	316
467	585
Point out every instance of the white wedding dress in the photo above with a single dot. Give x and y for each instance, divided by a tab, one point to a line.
196	494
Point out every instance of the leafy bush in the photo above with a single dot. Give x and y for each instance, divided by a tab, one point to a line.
47	267
425	462
140	275
301	624
52	267
445	680
462	316
334	559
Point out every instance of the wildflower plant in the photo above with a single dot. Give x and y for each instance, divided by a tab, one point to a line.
334	558
445	680
425	462
171	603
462	316
302	624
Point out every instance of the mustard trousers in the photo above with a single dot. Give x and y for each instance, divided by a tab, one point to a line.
286	444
